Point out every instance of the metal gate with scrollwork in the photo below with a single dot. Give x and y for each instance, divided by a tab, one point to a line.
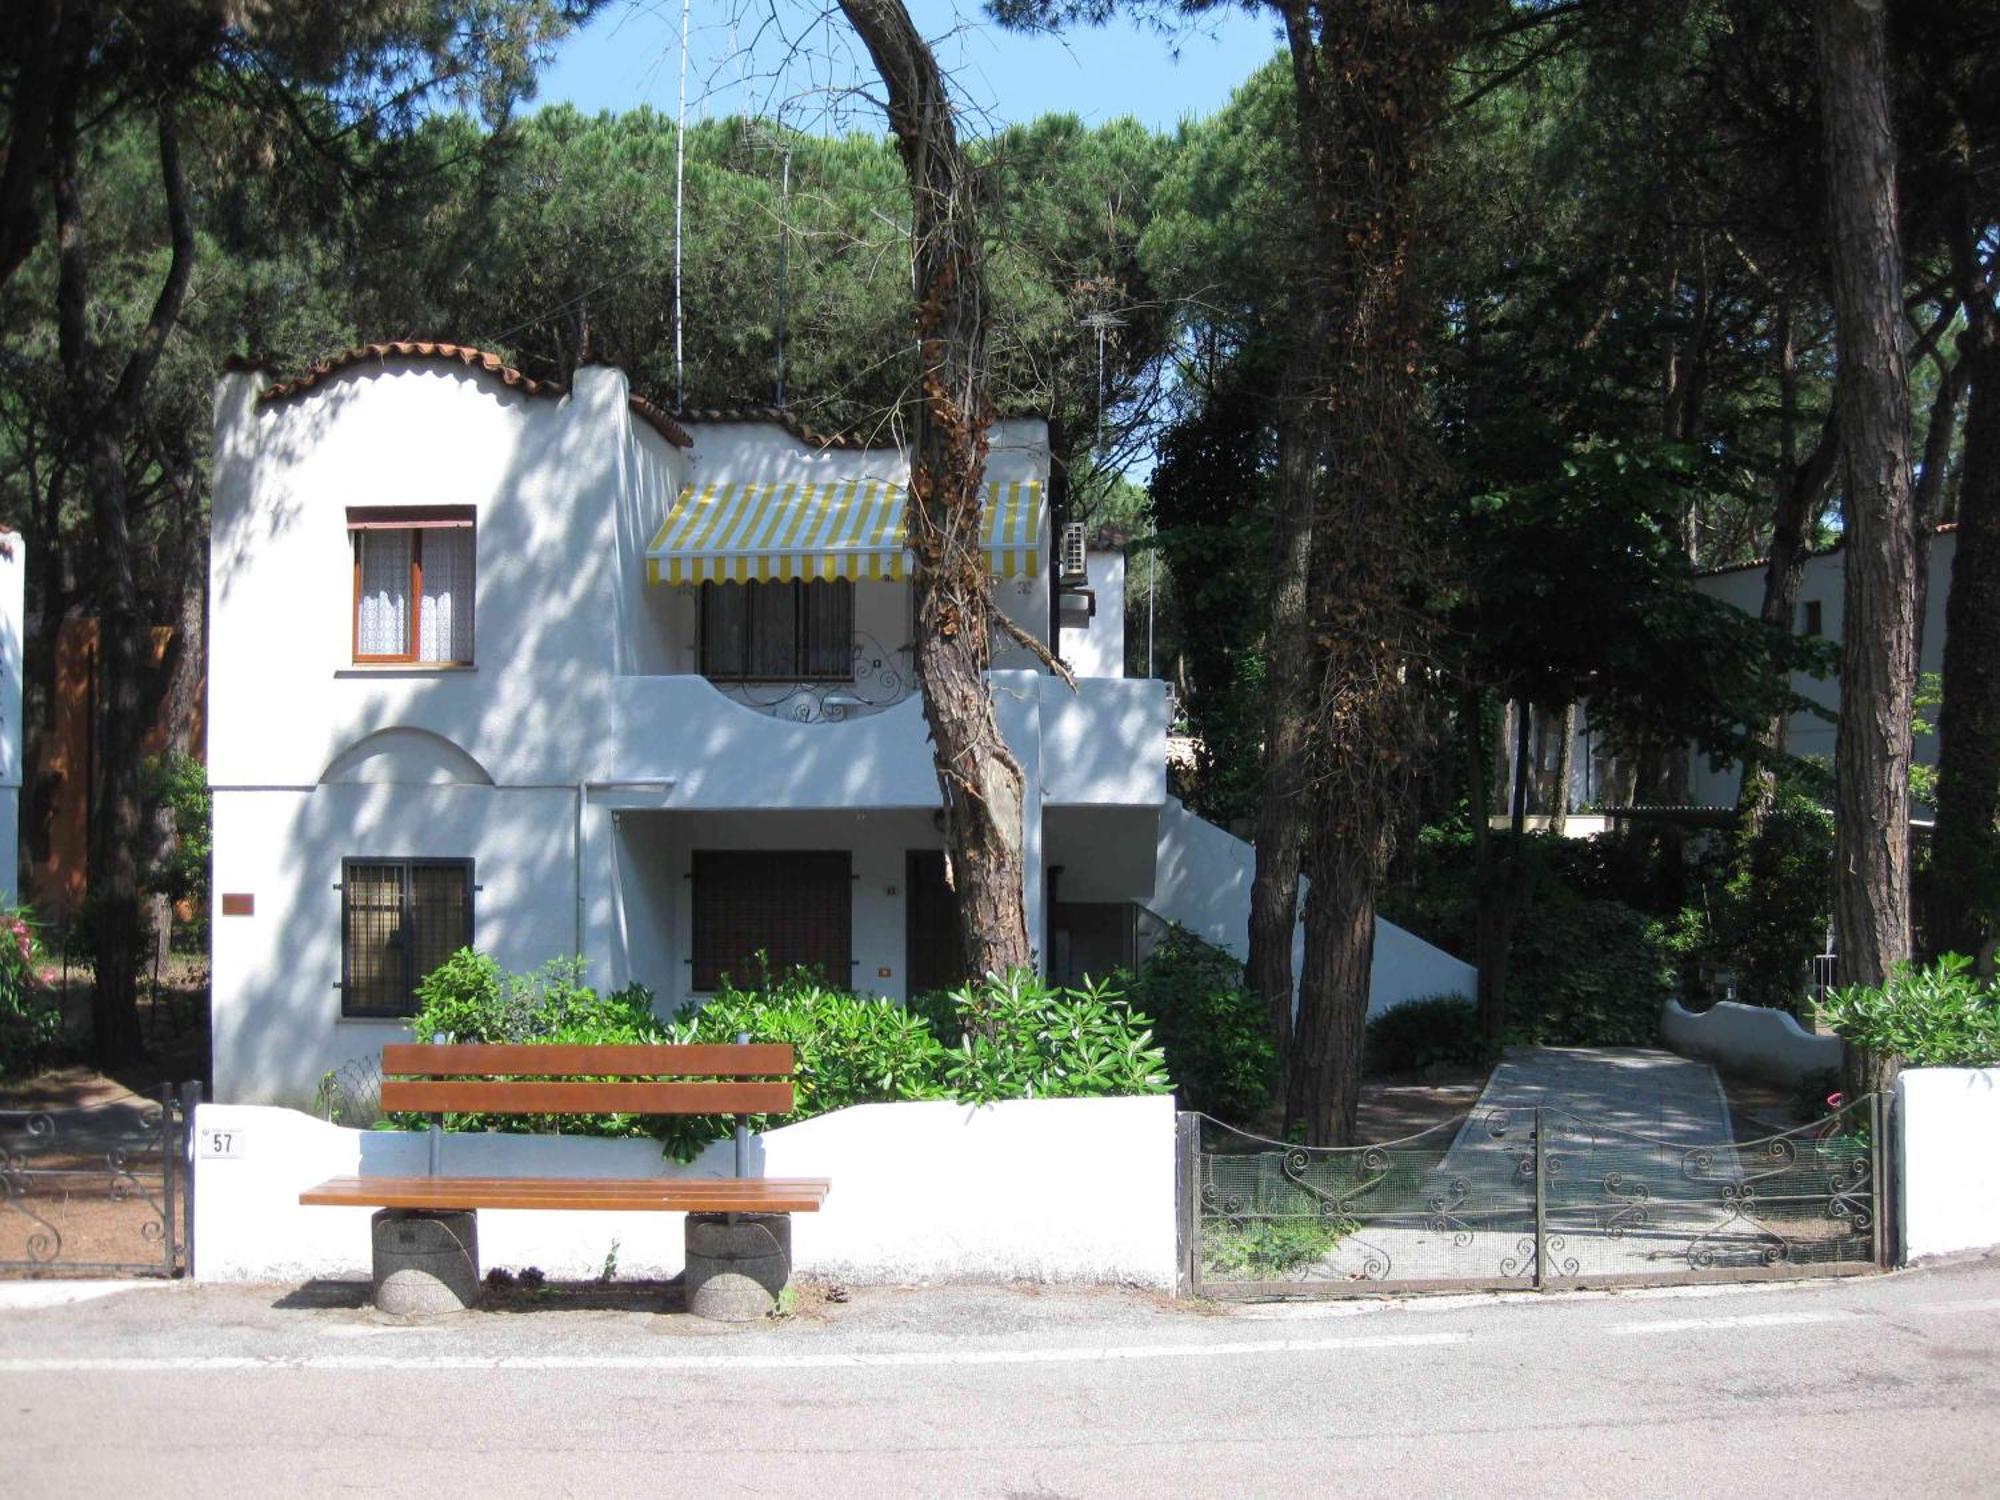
1538	1198
103	1190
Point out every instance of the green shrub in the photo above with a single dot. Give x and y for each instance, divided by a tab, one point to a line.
847	1049
30	1007
1941	1015
1016	1038
1770	913
470	998
1024	1040
1213	1032
1430	1031
1585	973
1267	1249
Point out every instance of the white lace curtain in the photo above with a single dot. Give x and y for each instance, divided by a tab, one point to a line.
444	623
444	626
382	626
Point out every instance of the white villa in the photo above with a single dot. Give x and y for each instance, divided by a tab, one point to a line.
546	671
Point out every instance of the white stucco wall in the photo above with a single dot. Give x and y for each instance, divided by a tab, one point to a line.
1095	646
1202	881
1753	1039
1044	1190
13	639
1809	734
1948	1160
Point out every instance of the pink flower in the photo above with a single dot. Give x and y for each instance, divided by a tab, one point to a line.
48	976
1834	1101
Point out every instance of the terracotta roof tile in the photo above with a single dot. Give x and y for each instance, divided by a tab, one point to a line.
660	421
411	349
789	420
1943	528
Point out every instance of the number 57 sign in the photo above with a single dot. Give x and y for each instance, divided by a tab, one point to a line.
220	1143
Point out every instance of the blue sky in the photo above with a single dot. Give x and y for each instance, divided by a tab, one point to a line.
761	58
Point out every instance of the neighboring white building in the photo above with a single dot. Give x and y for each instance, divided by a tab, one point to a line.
1821	610
547	672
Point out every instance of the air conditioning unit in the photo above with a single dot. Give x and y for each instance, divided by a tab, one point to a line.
1072	564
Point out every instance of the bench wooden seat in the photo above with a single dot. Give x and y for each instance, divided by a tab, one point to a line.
748	1195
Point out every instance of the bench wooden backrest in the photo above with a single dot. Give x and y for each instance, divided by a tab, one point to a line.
485	1078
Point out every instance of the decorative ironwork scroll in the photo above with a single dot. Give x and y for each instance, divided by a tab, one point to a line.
93	1191
1542	1196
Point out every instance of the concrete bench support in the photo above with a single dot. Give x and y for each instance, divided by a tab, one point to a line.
425	1261
737	1264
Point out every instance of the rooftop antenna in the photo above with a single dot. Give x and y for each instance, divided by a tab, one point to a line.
1101	323
680	186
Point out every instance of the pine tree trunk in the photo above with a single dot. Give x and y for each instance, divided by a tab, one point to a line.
1963	905
1323	1085
1281	807
1565	771
1878	650
187	658
981	782
1369	78
104	420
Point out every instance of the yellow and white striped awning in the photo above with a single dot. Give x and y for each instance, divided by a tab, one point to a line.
853	529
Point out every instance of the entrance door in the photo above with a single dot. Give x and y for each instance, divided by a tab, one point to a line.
932	959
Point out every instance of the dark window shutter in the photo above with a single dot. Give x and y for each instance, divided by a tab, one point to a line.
793	906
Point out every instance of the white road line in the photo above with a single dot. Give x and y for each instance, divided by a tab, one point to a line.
724	1362
1745	1320
1980	1304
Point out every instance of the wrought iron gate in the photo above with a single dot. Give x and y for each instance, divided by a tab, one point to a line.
1537	1198
106	1190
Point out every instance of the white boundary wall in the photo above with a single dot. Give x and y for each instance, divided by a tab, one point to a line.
1948	1160
1041	1190
1753	1039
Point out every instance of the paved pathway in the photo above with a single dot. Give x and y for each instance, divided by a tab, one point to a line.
1642	1178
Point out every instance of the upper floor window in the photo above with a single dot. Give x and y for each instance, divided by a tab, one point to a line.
413	584
791	631
1810	618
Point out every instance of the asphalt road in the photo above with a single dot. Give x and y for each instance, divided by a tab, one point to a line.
1888	1386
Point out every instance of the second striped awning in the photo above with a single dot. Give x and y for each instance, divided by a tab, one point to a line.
854	529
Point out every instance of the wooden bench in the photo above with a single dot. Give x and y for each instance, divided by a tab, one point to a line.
738	1079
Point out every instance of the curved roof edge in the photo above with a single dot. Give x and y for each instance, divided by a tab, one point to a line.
410	349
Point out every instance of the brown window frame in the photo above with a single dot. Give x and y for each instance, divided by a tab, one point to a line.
715	904
802	644
416	520
406	1005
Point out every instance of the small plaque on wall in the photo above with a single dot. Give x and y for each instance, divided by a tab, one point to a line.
239	904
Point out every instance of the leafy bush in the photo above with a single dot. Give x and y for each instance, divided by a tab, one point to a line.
1016	1038
30	1008
1213	1031
1024	1040
847	1049
1941	1015
1771	917
470	998
1267	1249
1430	1031
1587	974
